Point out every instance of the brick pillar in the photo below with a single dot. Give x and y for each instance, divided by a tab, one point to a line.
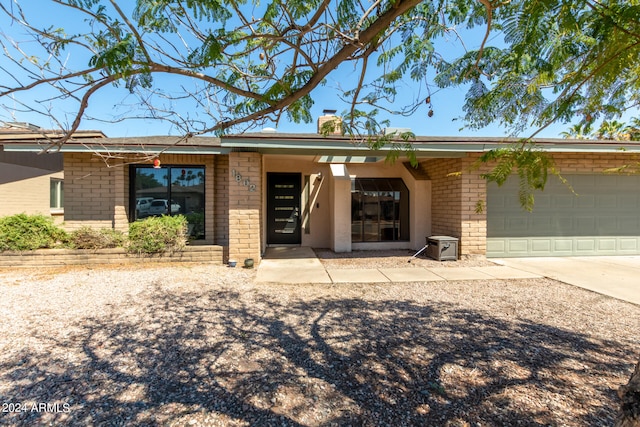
221	201
245	206
473	235
121	197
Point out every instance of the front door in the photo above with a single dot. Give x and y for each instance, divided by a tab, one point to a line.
283	208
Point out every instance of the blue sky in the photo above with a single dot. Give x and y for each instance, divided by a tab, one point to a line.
447	104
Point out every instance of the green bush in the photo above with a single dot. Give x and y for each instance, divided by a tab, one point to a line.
158	234
89	238
24	232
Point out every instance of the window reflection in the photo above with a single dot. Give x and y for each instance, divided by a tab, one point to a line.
170	190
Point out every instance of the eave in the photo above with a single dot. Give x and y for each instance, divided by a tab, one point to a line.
311	145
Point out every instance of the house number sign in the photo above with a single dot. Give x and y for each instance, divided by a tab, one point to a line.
246	182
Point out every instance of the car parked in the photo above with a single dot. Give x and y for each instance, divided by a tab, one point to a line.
161	207
142	206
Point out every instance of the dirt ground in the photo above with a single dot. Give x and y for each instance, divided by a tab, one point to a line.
204	345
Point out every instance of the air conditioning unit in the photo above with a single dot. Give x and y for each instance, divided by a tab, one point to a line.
442	248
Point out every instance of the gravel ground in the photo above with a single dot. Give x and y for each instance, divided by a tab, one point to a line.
204	345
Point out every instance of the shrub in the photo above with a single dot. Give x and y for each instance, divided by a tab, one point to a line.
24	232
158	234
89	238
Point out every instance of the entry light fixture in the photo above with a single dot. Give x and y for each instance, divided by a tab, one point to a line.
319	176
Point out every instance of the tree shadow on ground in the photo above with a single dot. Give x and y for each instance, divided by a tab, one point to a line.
219	358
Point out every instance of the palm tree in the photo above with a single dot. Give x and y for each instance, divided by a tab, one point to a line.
633	129
613	130
578	131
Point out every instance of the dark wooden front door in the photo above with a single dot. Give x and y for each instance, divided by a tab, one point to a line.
283	208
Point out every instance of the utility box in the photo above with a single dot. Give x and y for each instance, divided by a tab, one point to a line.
442	248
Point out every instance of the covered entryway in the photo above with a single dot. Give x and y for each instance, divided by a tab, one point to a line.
283	208
601	218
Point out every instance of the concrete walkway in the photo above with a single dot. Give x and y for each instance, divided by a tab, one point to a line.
615	276
291	265
300	265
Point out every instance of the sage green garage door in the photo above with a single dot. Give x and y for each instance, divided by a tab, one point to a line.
602	219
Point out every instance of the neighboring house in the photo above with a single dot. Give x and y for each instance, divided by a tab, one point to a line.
250	191
31	182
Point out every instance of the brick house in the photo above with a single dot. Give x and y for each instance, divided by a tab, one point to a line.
30	182
250	191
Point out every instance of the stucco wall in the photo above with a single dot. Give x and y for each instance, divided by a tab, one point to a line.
317	233
419	203
322	202
25	189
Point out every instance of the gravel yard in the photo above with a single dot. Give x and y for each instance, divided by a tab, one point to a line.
204	345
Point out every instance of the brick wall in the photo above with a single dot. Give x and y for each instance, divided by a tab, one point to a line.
445	196
121	198
89	188
221	200
569	163
60	257
245	206
457	190
473	225
97	195
454	197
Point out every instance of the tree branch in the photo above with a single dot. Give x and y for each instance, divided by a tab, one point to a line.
379	25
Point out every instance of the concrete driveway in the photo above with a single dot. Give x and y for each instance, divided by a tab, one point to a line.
615	276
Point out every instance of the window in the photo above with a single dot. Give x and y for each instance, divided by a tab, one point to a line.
379	210
169	190
56	194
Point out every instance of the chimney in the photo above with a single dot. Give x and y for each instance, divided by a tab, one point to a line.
329	123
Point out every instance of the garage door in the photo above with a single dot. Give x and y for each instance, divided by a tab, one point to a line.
602	219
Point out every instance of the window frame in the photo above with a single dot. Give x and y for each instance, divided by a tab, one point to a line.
56	192
133	173
370	201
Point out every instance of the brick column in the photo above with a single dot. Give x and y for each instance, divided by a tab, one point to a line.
121	198
221	201
245	206
473	235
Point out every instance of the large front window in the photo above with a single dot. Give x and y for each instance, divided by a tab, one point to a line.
379	210
169	190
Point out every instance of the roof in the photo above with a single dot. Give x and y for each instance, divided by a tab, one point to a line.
304	144
33	133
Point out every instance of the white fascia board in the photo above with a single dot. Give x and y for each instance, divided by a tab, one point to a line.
117	150
576	148
460	148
